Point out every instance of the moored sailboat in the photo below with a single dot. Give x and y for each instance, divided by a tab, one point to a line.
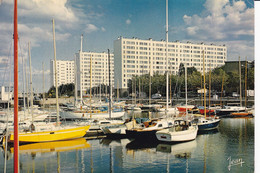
48	132
205	123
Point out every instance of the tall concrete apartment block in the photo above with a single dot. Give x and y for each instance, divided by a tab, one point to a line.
136	57
100	71
65	72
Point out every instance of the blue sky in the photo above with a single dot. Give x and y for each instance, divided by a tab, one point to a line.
229	22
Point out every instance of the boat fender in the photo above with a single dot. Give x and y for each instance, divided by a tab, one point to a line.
56	123
32	127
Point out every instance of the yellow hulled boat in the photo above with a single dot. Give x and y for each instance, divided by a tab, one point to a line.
58	134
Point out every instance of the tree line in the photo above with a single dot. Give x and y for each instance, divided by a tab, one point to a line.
215	80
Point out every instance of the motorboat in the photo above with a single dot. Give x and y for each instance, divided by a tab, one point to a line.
181	131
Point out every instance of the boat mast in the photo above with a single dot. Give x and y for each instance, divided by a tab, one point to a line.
201	96
222	87
204	80
110	87
31	91
240	88
43	93
75	81
90	90
167	75
186	90
245	82
135	79
132	90
100	87
150	82
139	88
7	117
81	99
16	138
24	104
56	77
117	91
209	85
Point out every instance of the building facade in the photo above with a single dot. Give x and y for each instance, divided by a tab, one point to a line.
99	71
137	57
65	72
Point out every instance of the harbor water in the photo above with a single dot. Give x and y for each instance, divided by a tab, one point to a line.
228	149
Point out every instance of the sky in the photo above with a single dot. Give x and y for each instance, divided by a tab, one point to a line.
229	22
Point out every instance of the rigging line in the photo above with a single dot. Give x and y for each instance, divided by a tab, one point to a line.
21	53
7	64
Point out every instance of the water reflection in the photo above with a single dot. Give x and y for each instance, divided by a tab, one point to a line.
49	147
208	153
178	150
40	156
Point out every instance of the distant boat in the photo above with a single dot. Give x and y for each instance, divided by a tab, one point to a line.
86	115
156	96
181	131
241	115
208	111
150	108
228	110
169	110
183	108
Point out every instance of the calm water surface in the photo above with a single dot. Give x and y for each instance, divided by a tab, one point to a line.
218	151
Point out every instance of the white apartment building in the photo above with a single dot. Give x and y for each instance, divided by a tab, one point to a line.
65	72
136	57
100	72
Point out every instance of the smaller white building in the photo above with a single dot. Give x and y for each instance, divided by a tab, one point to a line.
65	72
4	94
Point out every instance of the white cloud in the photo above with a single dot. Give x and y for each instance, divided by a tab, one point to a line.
90	28
240	48
128	21
228	21
224	21
103	29
58	9
93	28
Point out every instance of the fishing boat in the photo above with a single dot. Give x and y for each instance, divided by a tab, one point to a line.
181	131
